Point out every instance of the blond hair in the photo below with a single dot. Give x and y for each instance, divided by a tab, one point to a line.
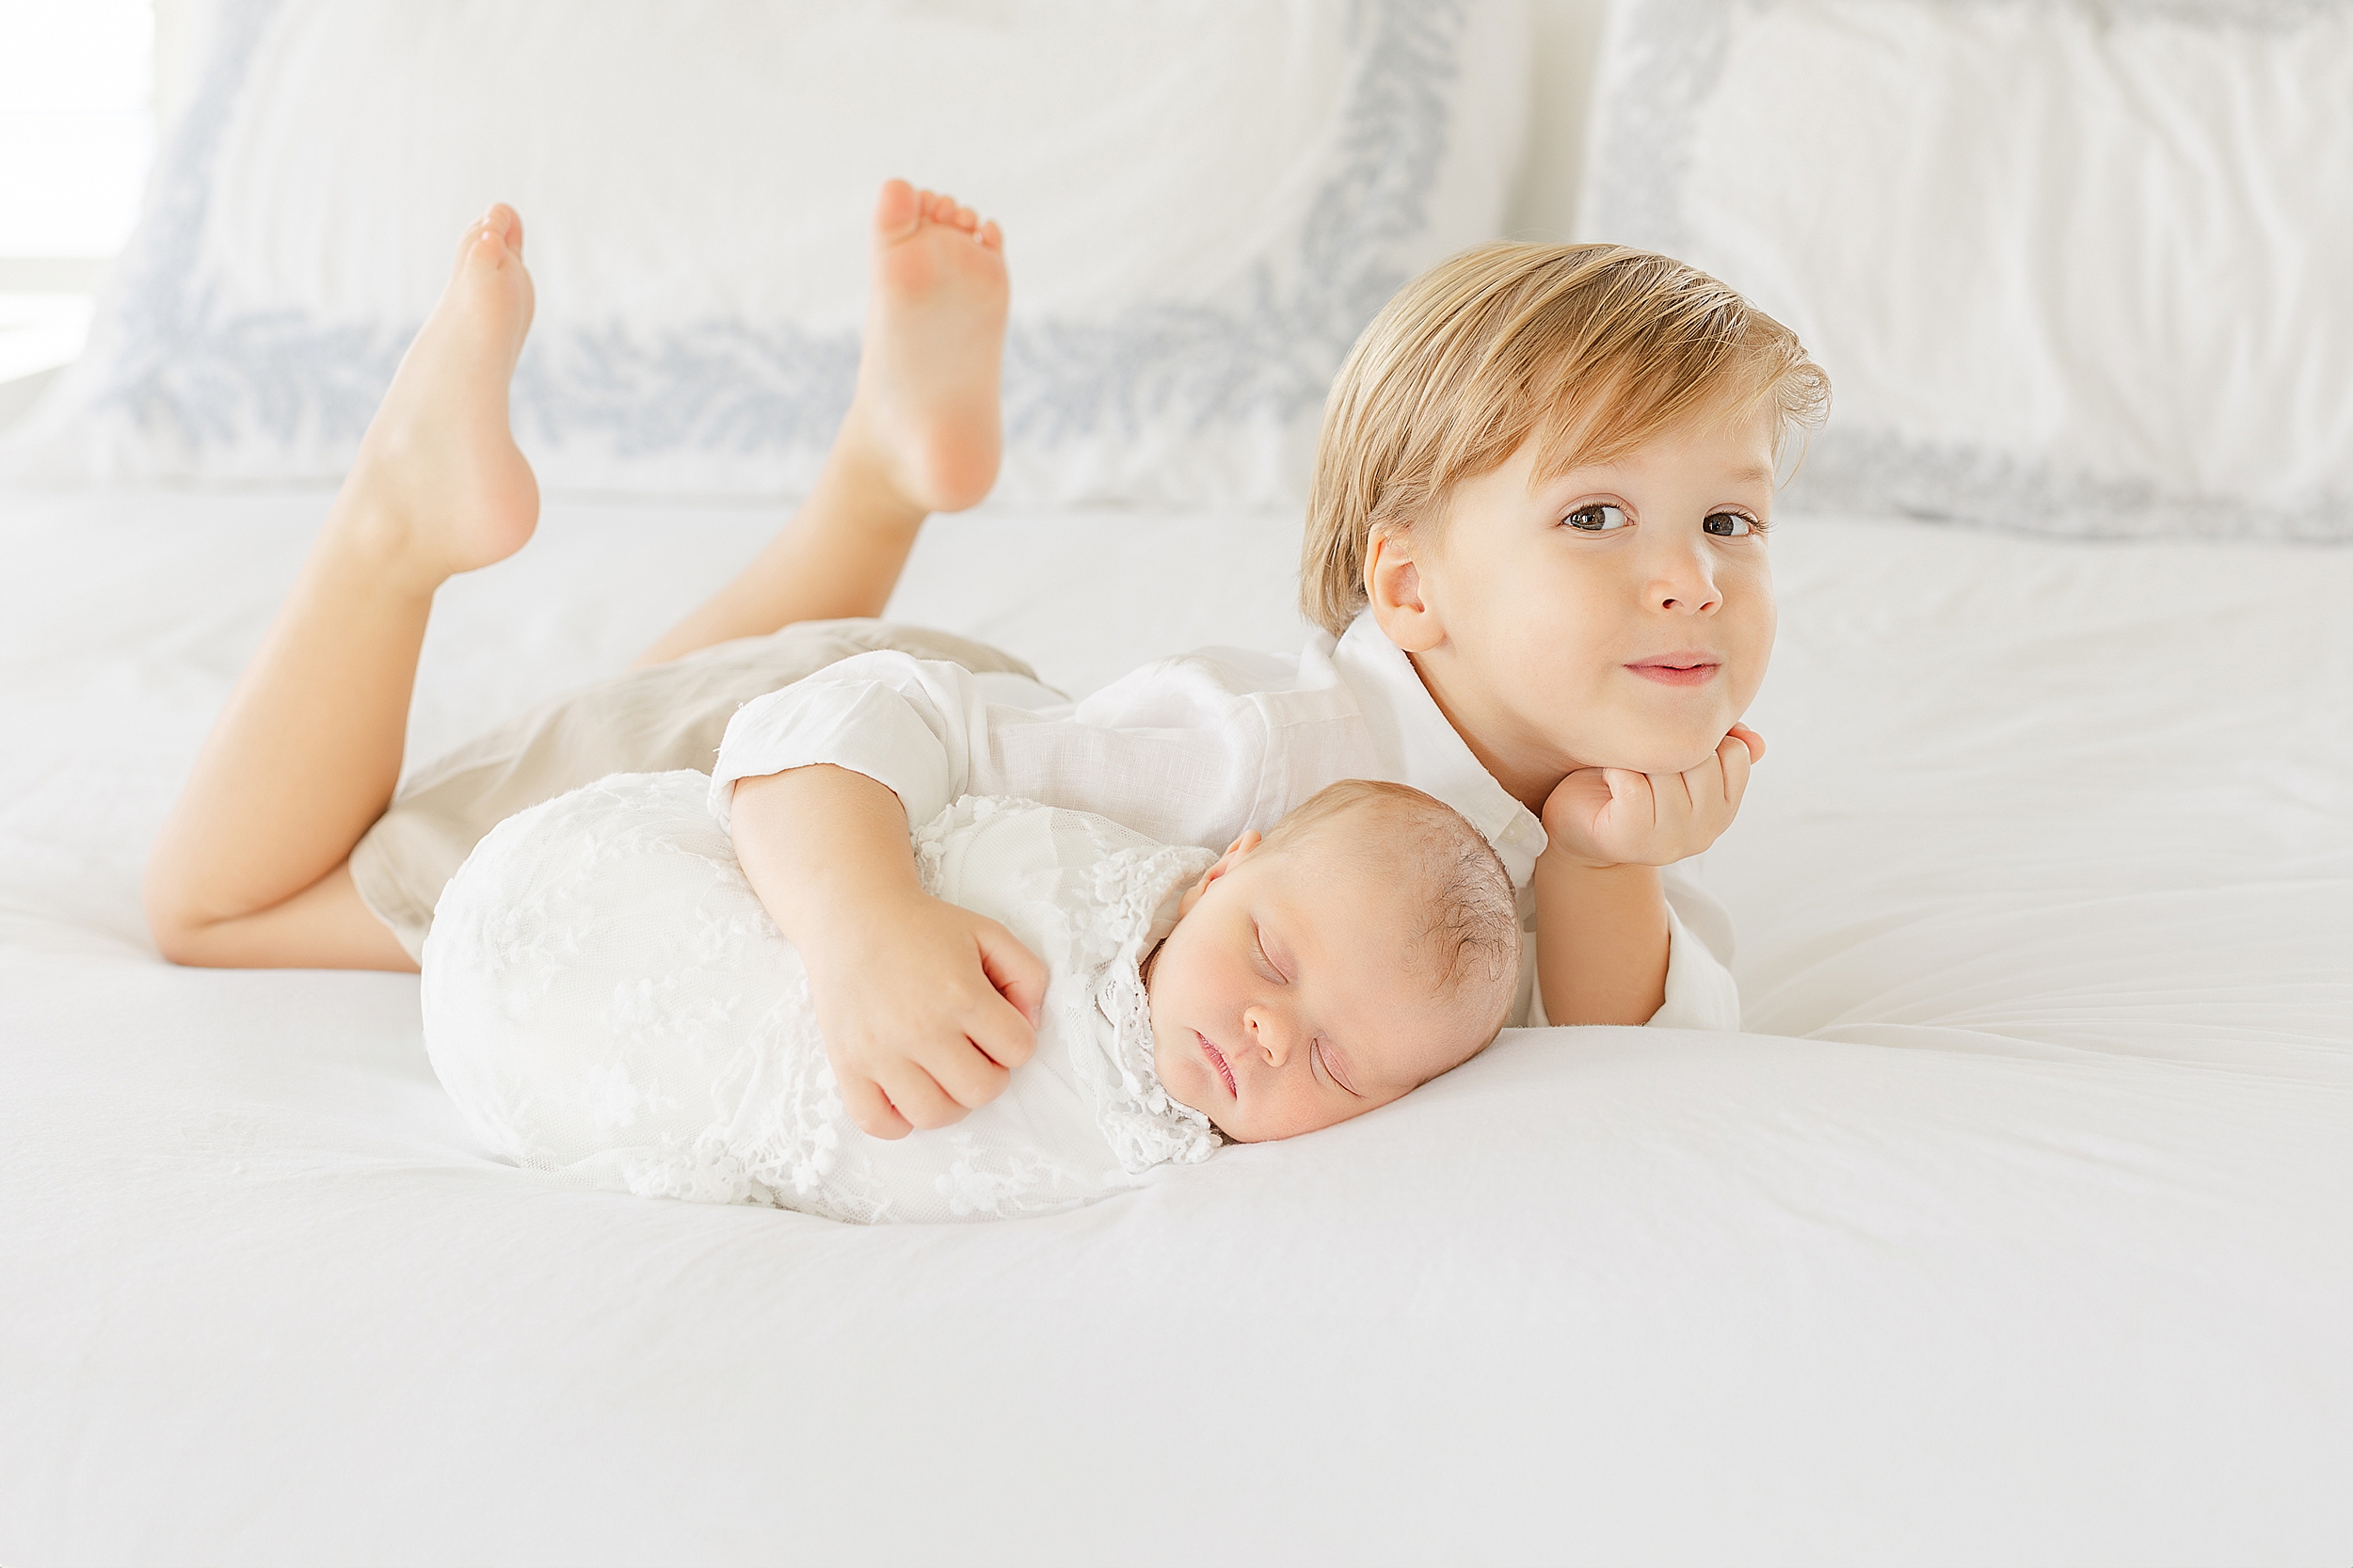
1592	349
1471	916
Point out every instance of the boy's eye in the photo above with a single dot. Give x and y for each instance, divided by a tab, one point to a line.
1600	517
1728	525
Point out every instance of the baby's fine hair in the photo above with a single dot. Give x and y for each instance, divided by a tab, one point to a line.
1472	927
1593	349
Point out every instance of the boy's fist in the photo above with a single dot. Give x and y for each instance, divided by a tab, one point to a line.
1618	817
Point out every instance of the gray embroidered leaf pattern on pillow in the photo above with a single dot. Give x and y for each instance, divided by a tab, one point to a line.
212	375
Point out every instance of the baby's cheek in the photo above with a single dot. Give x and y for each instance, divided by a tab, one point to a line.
1320	1112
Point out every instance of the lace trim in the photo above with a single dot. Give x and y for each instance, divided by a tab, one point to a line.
931	839
784	1146
1138	891
1005	1184
1133	894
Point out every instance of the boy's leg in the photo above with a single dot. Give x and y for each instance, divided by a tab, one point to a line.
250	869
922	435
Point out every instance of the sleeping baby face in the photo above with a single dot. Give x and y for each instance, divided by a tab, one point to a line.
1333	967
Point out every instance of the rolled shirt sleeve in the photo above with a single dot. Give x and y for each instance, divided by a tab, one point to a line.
1173	751
911	725
1701	992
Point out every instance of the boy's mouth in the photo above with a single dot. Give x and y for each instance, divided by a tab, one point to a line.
1678	669
1217	1059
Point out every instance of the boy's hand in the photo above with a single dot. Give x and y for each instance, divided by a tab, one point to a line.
1617	817
926	1009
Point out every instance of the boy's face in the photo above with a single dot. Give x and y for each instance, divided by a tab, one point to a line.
1620	616
1293	994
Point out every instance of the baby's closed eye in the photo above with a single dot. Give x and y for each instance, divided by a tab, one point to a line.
1332	1068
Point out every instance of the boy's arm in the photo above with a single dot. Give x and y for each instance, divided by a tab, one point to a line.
1603	931
1601	941
925	1007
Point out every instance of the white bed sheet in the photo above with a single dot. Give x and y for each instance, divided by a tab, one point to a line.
2020	1228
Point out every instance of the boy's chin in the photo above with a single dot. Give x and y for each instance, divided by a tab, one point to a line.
1653	743
1659	756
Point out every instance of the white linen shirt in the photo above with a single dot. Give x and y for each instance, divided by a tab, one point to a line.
1192	750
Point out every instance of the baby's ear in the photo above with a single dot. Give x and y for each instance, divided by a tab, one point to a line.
1200	885
1226	862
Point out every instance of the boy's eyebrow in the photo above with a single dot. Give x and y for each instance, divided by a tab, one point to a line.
1746	474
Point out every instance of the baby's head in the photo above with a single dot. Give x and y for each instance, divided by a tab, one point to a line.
1548	470
1367	945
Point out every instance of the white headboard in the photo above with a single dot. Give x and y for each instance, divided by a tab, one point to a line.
1567	35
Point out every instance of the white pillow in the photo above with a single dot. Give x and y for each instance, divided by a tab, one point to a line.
1204	202
2072	268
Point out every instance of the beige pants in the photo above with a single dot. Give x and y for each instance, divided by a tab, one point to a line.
648	720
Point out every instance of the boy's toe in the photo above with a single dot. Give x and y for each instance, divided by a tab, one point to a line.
897	208
497	231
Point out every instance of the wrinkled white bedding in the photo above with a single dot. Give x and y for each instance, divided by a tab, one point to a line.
2019	1229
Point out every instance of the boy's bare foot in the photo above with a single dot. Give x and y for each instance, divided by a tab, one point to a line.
928	370
440	487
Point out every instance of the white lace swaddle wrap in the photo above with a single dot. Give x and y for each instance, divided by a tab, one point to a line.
605	996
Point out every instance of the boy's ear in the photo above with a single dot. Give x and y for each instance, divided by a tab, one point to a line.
1400	592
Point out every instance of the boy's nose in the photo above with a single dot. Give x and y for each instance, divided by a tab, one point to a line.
1683	580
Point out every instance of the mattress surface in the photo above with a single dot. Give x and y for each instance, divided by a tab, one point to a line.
2019	1227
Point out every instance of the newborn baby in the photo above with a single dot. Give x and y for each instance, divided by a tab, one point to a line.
604	995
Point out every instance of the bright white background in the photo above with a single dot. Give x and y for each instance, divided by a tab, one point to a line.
87	88
77	132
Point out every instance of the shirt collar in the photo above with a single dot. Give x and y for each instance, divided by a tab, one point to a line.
1409	728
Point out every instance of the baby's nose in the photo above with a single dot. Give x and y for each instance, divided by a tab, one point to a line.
1273	1035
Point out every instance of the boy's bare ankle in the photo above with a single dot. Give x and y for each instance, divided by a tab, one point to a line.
439	485
862	477
369	544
